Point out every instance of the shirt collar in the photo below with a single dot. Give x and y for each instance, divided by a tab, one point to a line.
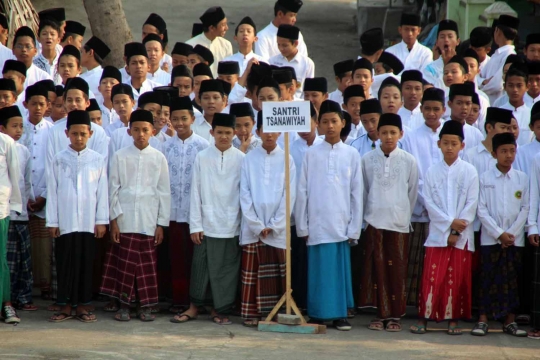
94	70
499	174
392	154
481	148
77	153
505	48
454	164
430	130
335	146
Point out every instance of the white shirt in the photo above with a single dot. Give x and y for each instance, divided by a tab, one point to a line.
364	144
25	182
202	128
35	138
422	144
162	137
433	73
125	75
263	196
166	59
473	137
406	114
416	59
527	99
215	193
329	204
35	74
523	117
180	157
237	95
266	45
243	60
303	66
525	156
139	190
220	48
160	77
390	189
10	194
93	77
503	205
108	117
112	127
77	191
336	96
121	139
254	143
6	54
450	192
41	62
494	68
534	213
147	85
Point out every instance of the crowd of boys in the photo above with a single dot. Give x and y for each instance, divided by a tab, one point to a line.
418	183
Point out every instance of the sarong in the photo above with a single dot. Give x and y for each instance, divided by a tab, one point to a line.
299	262
357	254
181	256
535	290
41	253
19	258
416	261
526	278
102	245
110	270
5	285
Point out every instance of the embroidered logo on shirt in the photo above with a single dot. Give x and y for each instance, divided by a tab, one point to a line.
518	195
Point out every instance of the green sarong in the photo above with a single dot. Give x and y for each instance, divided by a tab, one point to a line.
5	285
215	273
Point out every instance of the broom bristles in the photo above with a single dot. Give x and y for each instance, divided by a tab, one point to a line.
19	13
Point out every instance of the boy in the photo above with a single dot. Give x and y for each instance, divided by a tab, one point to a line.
123	104
515	85
58	111
213	101
532	47
24	49
532	231
110	76
73	34
472	119
370	112
137	65
446	44
214	220
286	84
8	93
155	24
316	91
201	72
47	58
16	71
244	139
459	103
18	243
95	113
213	36
263	239
411	89
182	79
200	55
180	54
51	97
383	280
343	73
388	63
532	95
491	75
228	71
285	12
155	49
480	41
180	152
389	96
245	36
503	208
139	193
330	292
412	54
450	230
287	40
59	16
362	75
92	55
353	96
77	174
527	152
371	45
11	200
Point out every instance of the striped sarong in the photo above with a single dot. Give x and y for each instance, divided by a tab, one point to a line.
41	252
416	261
5	285
19	258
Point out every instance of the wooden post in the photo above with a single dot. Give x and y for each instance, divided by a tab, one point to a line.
288	225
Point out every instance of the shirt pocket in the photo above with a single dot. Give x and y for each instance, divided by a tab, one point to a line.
208	215
232	216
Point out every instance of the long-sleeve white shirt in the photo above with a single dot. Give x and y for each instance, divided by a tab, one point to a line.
336	96
202	128
35	74
303	66
493	69
108	117
161	77
406	114
25	182
266	45
180	155
329	201
503	205
263	196
364	144
220	48
523	116
215	193
450	192
77	194
10	194
147	85
93	77
390	189
42	63
243	60
433	73
534	188
139	190
525	156
121	139
416	59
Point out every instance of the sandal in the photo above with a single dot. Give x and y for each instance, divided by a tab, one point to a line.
122	315
534	334
26	307
376	325
351	314
177	317
418	329
480	329
251	323
175	309
145	314
87	317
59	317
512	329
54	307
221	320
395	324
454	330
112	306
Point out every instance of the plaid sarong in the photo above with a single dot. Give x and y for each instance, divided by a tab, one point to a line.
41	252
263	279
416	261
19	258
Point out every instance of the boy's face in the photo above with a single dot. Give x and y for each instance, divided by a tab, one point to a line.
106	85
179	60
223	136
379	68
390	100
138	66
166	113
364	78
7	98
37	105
76	100
287	47
68	67
345	81
184	85
331	125
221	28
245	36
212	102
515	87
287	92
13	128
51	98
231	79
534	85
536	129
409	33
352	106
432	111
268	94
78	136
194	59
86	57
75	40
155	109
141	132
460	107
197	80
473	67
412	93
181	121
482	52
514	128
389	136
532	52
148	29
48	37
269	140
17	78
453	74
450	146
243	127
473	115
316	98
370	123
95	117
58	110
287	19
123	105
505	155
307	135
155	52
447	39
24	49
498	128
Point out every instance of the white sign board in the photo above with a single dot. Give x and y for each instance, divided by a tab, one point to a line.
286	116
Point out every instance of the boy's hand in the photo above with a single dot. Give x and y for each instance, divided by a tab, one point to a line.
165	67
158	235
37	205
170	130
459	225
452	240
485	82
265	232
533	239
436	52
305	238
447	53
197	238
115	232
245	142
99	231
507	240
54	232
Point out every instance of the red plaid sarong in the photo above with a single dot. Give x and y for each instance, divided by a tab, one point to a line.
181	255
136	261
263	279
446	284
110	269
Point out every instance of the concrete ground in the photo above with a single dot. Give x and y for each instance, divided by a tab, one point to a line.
35	338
